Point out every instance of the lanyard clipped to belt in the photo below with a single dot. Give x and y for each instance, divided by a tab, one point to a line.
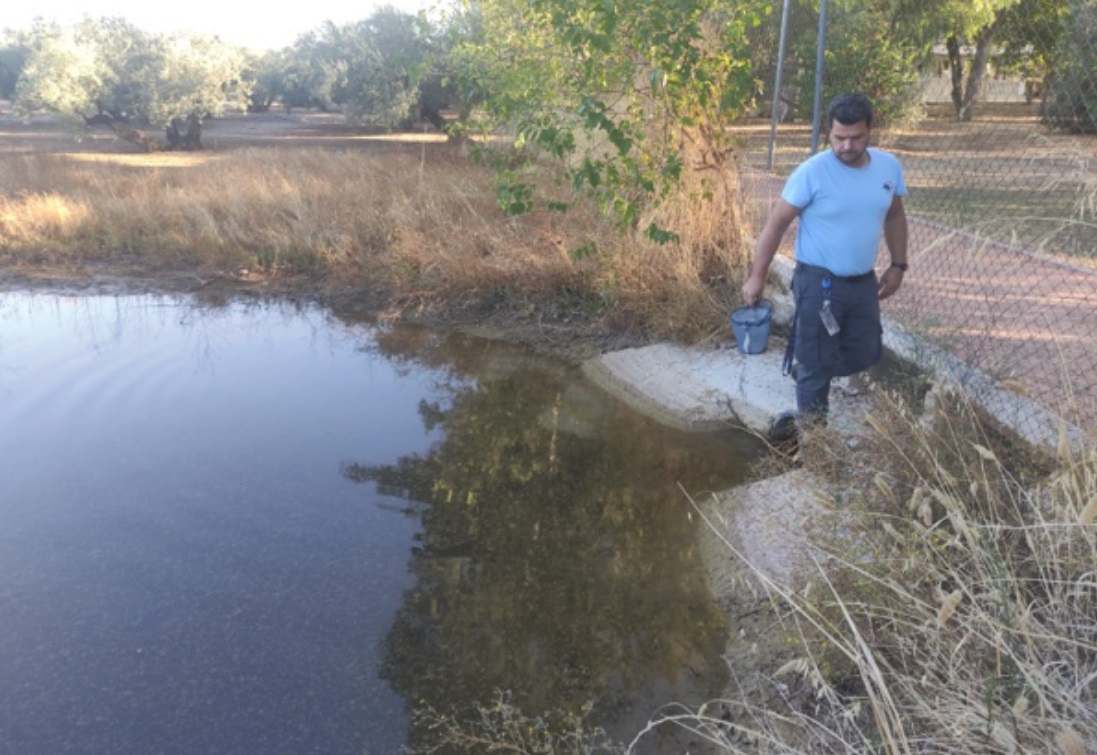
825	314
790	347
786	365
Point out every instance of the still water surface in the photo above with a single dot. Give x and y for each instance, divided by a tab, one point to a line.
255	527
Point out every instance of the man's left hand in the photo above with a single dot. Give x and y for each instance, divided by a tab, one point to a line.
889	282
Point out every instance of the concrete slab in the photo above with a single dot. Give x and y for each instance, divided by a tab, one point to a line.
706	388
698	388
765	530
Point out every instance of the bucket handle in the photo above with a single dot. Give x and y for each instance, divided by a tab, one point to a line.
760	304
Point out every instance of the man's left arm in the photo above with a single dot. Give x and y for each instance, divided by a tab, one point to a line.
895	236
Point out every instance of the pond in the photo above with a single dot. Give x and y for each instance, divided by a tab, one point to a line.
246	525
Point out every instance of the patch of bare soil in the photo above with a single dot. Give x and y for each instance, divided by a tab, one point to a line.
44	133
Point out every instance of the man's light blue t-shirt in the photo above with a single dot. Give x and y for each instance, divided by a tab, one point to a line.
842	209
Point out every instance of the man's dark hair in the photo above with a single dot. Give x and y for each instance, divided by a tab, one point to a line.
848	109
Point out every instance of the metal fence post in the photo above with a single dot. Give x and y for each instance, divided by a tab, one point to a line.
820	48
777	83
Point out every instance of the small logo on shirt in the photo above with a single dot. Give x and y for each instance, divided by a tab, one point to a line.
888	186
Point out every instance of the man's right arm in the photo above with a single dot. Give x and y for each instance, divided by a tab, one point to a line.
780	218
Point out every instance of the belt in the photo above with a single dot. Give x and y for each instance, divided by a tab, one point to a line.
847	278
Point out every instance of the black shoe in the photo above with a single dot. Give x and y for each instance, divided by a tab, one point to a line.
782	427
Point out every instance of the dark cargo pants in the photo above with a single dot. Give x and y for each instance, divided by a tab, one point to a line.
857	346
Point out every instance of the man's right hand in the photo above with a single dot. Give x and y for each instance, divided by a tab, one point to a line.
780	218
752	290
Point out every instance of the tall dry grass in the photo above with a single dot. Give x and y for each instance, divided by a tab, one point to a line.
421	226
957	612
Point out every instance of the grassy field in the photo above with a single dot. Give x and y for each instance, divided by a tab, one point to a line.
406	221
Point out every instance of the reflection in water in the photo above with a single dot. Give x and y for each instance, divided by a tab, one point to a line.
556	558
207	511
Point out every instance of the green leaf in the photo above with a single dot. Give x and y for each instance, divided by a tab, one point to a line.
515	198
660	235
620	141
584	251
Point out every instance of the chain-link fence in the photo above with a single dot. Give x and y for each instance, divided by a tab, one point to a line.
997	132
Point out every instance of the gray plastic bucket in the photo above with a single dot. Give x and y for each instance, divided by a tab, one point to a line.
751	327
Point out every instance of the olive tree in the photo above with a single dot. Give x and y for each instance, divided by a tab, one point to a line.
314	69
13	56
370	69
391	53
200	77
109	71
60	75
264	73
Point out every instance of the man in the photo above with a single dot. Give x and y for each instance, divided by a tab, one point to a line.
844	198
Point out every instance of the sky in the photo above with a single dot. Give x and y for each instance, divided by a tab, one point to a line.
270	25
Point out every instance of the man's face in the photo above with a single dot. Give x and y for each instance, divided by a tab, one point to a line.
850	142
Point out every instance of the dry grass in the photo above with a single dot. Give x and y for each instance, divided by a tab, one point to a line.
420	225
961	616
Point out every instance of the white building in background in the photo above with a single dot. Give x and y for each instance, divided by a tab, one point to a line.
937	83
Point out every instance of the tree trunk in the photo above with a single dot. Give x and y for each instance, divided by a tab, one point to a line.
185	134
978	72
123	130
965	108
956	71
433	116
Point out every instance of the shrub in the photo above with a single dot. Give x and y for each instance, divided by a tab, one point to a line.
1070	99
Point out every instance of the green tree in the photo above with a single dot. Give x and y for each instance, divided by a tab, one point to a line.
388	55
1070	102
314	70
378	71
13	56
889	39
624	95
61	75
1030	42
265	73
864	53
970	30
109	71
200	76
441	88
